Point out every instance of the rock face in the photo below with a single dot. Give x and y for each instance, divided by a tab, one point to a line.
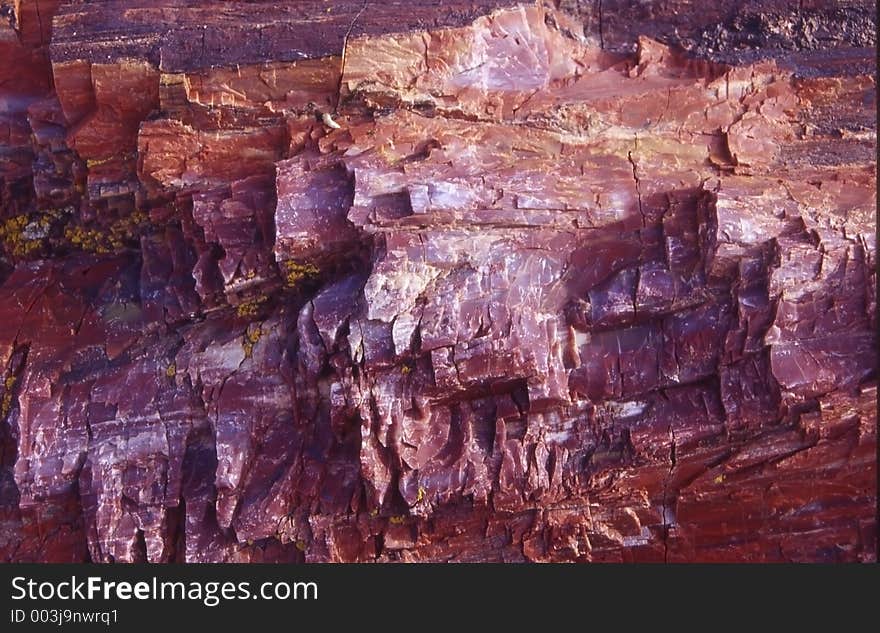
467	281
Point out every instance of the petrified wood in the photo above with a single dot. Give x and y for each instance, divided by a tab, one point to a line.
437	281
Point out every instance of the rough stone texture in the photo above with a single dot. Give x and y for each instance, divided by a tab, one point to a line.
592	281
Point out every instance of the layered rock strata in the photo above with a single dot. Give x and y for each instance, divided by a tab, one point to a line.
468	281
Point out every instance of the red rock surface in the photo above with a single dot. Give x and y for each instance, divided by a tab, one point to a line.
541	288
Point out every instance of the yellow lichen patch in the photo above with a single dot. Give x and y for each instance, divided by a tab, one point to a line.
422	494
94	162
109	240
406	369
171	370
719	479
171	79
126	228
294	273
91	240
16	237
15	223
397	519
250	308
251	338
5	405
301	546
6	402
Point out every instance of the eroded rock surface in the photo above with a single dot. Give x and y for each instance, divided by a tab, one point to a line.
524	295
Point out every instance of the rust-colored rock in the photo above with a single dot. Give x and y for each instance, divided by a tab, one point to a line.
472	281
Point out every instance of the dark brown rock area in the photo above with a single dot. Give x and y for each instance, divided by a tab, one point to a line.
437	281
